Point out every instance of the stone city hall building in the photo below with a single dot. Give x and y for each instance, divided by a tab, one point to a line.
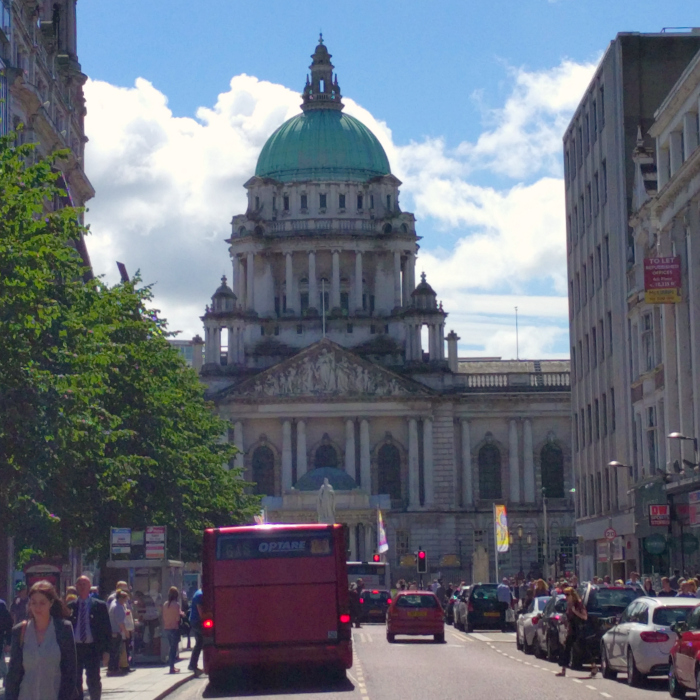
315	356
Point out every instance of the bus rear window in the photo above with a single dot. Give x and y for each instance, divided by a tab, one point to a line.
244	546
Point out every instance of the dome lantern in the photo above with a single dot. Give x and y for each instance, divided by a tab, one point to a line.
323	91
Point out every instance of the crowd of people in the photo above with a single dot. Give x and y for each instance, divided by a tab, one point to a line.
53	642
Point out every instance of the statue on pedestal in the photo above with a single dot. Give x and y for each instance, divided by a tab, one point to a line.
325	506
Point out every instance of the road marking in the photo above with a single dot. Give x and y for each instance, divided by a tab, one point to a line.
481	637
605	695
576	680
592	687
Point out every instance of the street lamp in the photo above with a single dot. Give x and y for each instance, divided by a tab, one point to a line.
545	542
620	465
694	440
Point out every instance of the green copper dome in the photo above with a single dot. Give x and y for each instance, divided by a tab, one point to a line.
322	144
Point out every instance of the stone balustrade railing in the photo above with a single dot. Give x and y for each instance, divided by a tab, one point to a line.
516	381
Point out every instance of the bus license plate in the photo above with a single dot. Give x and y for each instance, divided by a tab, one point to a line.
417	613
492	614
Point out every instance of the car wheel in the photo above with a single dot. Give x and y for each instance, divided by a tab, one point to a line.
218	680
468	627
549	650
390	637
605	669
537	647
675	689
518	643
634	677
439	638
528	648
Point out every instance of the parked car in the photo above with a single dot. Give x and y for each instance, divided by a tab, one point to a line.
374	605
526	626
483	607
550	629
415	613
640	643
460	608
684	659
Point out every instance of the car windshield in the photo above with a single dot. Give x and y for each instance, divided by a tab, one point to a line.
416	601
604	600
485	593
377	595
540	603
668	616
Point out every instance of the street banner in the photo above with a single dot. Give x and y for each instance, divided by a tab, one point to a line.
659	515
694	508
662	280
501	525
120	540
155	542
382	544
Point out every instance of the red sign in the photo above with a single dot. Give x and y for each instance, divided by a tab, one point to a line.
659	515
610	534
662	280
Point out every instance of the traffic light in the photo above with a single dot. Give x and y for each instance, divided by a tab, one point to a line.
376	558
421	562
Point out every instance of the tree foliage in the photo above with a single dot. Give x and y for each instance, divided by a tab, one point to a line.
101	422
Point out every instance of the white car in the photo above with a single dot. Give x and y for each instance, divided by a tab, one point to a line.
640	643
526	627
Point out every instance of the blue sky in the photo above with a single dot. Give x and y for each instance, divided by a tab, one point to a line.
469	99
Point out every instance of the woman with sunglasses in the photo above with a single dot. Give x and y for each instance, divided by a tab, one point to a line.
576	615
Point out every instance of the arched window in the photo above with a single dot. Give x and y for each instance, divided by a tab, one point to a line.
489	472
325	456
552	467
264	471
389	465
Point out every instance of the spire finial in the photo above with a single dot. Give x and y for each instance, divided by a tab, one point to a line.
320	37
640	138
223	280
422	276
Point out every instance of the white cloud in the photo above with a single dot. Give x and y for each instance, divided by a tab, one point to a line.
167	187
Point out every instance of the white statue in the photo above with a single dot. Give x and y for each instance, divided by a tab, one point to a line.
326	503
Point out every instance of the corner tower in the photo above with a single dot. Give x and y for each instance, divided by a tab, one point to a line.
323	249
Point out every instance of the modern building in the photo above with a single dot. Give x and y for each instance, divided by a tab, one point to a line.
41	91
665	340
633	78
317	356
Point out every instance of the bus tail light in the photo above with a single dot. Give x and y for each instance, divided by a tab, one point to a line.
208	624
388	601
362	600
345	619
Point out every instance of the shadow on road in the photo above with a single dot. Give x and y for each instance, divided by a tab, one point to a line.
657	684
278	682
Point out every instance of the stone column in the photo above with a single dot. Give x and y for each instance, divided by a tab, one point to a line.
250	282
352	530
365	475
413	465
397	279
358	281
467	487
286	456
404	285
441	341
238	442
335	281
528	463
432	345
428	470
302	465
452	358
411	270
370	542
313	282
208	355
690	133
513	461
350	448
289	283
675	141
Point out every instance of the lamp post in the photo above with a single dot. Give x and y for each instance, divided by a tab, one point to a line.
694	440
546	536
520	544
620	465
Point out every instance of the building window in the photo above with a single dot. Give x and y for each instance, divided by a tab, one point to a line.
599	265
648	342
604	170
601	95
580	147
594	119
571	299
587	346
606	256
489	472
612	410
594	347
388	202
300	328
575	224
257	202
597	420
341	201
601	336
591	269
304	201
586	133
573	362
389	471
359	201
349	328
371	201
610	333
304	302
584	285
402	545
599	492
596	193
264	471
583	429
589	426
607	488
604	417
552	470
651	438
285	202
322	201
578	292
325	456
576	433
589	204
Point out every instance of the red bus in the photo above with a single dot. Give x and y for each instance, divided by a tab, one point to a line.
275	595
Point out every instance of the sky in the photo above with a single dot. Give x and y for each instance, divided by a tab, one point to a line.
470	101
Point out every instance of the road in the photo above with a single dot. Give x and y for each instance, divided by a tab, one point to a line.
481	665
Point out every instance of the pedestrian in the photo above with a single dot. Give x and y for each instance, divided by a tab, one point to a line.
196	624
18	609
355	606
688	589
674	580
117	617
649	588
42	657
576	616
172	614
666	590
5	635
634	580
92	632
440	593
71	595
505	598
185	628
541	588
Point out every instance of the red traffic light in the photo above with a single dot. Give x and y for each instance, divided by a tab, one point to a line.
376	557
421	554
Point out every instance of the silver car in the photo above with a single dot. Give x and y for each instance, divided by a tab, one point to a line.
526	627
640	643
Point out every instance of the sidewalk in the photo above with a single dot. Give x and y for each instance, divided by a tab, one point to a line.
145	683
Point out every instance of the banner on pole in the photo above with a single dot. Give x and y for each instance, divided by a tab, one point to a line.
501	524
382	543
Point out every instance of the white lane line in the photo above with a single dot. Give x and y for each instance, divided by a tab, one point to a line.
576	680
592	687
605	695
481	637
352	678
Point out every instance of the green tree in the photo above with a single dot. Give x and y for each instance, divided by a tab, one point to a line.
101	422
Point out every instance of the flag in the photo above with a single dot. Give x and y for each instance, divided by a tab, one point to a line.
501	524
382	544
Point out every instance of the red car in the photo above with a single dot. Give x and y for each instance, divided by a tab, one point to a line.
684	671
415	613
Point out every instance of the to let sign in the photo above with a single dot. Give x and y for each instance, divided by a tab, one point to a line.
659	515
662	280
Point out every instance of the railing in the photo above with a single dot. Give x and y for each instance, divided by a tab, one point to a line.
517	381
291	226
